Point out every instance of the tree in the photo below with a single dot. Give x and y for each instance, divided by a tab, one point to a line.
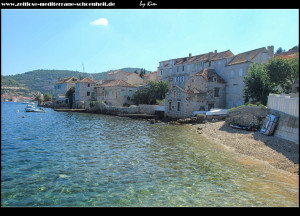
47	97
69	95
283	72
39	98
279	50
257	84
142	72
152	92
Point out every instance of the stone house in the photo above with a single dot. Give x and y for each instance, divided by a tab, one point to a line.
84	93
232	68
61	87
181	69
235	70
115	92
203	91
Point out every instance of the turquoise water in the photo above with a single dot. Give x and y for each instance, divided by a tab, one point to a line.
79	159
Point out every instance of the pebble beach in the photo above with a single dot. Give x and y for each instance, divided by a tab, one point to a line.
279	153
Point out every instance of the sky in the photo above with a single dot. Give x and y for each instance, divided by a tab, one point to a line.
110	39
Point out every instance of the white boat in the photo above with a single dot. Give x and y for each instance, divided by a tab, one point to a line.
217	112
30	108
269	127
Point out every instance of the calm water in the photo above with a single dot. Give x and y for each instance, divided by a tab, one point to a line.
78	159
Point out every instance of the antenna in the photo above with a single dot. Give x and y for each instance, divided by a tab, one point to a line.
82	67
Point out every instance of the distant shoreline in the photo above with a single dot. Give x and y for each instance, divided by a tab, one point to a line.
279	153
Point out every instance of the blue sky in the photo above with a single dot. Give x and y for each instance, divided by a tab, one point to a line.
104	40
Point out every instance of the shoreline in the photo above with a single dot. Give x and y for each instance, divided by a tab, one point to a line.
279	153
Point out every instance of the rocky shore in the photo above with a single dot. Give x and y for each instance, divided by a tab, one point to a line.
279	153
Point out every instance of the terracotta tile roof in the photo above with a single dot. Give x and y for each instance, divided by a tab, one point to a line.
87	80
211	56
110	83
68	80
208	74
287	55
242	57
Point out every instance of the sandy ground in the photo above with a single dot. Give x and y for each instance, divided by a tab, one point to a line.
279	153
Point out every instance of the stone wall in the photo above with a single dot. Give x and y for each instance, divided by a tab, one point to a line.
288	127
247	116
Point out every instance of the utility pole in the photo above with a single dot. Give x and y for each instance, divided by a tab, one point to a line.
83	67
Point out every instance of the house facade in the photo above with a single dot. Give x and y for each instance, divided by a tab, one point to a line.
231	68
234	71
115	92
203	91
84	93
61	87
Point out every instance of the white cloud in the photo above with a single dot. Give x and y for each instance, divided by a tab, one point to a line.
101	21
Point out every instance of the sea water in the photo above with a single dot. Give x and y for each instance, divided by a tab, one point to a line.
79	159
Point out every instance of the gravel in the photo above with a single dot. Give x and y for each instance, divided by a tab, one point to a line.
279	153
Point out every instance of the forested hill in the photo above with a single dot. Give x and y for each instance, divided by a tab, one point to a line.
44	80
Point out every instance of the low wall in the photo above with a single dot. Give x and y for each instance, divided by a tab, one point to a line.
112	110
286	103
288	127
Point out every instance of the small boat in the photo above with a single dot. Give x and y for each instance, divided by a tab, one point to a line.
269	127
217	112
30	108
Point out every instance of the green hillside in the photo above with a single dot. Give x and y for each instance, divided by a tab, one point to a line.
44	80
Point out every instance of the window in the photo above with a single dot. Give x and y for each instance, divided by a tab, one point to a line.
122	92
177	69
89	85
217	90
182	67
161	72
170	106
234	88
241	72
231	74
178	106
110	93
130	93
88	93
174	94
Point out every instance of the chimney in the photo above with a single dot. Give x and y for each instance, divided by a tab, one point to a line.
190	54
170	83
271	50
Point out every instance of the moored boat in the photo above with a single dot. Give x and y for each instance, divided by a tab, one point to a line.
31	108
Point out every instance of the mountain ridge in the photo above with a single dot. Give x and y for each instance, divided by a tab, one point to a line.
43	80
